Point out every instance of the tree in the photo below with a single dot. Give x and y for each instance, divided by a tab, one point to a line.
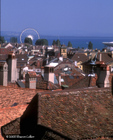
54	42
41	42
13	40
90	45
58	43
2	40
78	47
69	44
28	40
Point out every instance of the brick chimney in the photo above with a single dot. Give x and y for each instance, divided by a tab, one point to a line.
103	73
30	80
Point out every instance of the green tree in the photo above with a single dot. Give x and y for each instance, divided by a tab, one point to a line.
2	40
90	45
13	40
58	43
54	42
78	47
69	44
28	40
41	42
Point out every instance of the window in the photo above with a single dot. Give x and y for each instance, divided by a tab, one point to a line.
63	51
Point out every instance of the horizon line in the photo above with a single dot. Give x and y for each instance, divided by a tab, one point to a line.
64	35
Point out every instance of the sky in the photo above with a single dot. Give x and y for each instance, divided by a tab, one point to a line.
59	17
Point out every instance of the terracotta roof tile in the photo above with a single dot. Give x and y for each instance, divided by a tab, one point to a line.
11	95
106	57
9	114
3	57
32	74
13	102
80	57
78	114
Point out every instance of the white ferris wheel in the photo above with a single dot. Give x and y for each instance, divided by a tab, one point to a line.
30	33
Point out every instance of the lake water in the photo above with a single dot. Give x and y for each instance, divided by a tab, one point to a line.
83	41
76	41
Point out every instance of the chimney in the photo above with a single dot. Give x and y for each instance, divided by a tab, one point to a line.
106	81
100	57
30	80
111	54
3	73
103	73
59	79
12	67
49	73
104	50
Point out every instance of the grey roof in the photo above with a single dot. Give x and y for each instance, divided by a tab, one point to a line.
20	84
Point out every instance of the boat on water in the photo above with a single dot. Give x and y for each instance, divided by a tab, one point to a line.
108	43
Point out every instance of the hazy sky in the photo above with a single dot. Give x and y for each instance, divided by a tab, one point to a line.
59	17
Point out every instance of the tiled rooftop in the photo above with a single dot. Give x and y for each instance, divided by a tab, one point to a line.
77	114
106	57
13	102
80	57
9	96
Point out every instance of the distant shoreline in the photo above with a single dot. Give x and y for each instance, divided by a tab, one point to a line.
77	41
